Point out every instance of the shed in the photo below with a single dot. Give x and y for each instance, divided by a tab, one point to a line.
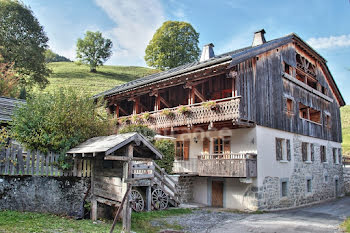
117	159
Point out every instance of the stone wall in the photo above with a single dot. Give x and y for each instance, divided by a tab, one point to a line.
58	195
322	188
347	180
185	188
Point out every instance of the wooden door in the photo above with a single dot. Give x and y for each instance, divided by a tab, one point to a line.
217	191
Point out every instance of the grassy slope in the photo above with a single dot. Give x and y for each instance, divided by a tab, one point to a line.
69	74
345	120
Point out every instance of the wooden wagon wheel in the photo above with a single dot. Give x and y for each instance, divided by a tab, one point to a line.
159	199
137	202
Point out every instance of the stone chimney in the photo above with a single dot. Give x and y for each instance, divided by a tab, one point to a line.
259	38
207	52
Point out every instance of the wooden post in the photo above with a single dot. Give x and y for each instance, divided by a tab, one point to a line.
148	198
93	199
127	206
93	208
117	111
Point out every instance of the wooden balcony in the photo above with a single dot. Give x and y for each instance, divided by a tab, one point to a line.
199	113
220	165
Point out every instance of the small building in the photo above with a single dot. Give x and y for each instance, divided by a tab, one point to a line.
120	159
256	128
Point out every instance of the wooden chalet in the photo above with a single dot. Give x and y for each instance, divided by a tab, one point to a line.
220	108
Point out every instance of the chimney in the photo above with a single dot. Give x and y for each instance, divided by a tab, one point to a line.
259	38
207	52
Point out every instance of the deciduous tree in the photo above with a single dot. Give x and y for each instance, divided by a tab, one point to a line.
174	44
94	50
23	42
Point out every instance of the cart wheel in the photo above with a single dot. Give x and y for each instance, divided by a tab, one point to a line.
137	202
159	199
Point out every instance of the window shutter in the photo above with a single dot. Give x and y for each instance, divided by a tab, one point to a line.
312	152
278	149
304	151
289	157
334	156
339	155
227	145
186	150
206	145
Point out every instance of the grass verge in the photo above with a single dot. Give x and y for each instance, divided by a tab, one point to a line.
16	222
346	225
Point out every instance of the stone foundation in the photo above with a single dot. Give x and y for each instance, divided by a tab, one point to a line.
186	188
322	188
57	195
347	180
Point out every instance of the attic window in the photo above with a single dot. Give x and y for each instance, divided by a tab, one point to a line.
310	114
328	121
289	103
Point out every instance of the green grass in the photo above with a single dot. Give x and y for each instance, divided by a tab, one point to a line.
14	221
79	77
346	225
345	120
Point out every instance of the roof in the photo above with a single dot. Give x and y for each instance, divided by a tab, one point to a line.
109	144
235	56
7	106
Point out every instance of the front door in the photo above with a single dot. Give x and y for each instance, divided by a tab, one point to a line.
217	190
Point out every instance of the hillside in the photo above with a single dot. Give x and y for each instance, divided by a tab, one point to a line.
345	120
69	74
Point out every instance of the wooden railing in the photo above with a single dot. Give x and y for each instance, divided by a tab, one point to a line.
224	109
16	162
241	165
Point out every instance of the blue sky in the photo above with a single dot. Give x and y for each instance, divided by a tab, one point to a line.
229	25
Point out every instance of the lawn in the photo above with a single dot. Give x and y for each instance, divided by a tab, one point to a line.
69	74
14	221
346	225
345	120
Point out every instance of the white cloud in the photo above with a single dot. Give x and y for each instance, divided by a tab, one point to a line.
330	42
136	22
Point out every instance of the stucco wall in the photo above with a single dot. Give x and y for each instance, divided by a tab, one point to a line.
58	195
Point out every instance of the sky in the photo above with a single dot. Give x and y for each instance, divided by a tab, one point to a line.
229	25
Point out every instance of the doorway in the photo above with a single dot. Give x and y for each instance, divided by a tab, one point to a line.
217	193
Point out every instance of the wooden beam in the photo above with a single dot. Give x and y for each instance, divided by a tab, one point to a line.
161	99
123	111
199	95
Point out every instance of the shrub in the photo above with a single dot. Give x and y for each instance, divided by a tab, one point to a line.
210	105
183	110
146	116
57	122
168	113
167	148
142	129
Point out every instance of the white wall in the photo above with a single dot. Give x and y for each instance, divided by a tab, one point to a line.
237	195
200	191
266	149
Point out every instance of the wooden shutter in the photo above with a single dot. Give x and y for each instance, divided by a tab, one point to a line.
304	151
227	145
340	156
206	145
278	149
289	157
334	156
312	152
186	150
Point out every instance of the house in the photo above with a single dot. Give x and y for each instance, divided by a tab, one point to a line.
255	128
7	106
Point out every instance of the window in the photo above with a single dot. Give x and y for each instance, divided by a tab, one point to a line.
339	156
283	149
328	121
284	188
289	103
326	178
287	69
306	151
323	154
182	150
308	113
308	186
300	77
222	145
335	155
311	82
312	150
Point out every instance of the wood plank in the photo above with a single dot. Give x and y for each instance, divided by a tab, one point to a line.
42	163
37	163
79	168
88	170
47	164
56	170
52	160
13	160
7	161
20	161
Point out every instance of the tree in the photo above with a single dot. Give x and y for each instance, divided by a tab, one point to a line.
23	42
8	81
57	122
94	50
50	56
174	44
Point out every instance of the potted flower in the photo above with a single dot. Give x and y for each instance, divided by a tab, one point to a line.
146	116
125	120
135	118
184	110
166	112
210	105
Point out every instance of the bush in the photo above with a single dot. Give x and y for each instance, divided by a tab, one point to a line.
57	122
142	129
167	148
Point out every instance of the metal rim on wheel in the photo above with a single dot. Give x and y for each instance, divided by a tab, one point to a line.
137	202
159	199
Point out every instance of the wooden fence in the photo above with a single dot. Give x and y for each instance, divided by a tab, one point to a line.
14	161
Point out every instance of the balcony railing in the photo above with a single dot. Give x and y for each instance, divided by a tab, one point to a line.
242	165
216	110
